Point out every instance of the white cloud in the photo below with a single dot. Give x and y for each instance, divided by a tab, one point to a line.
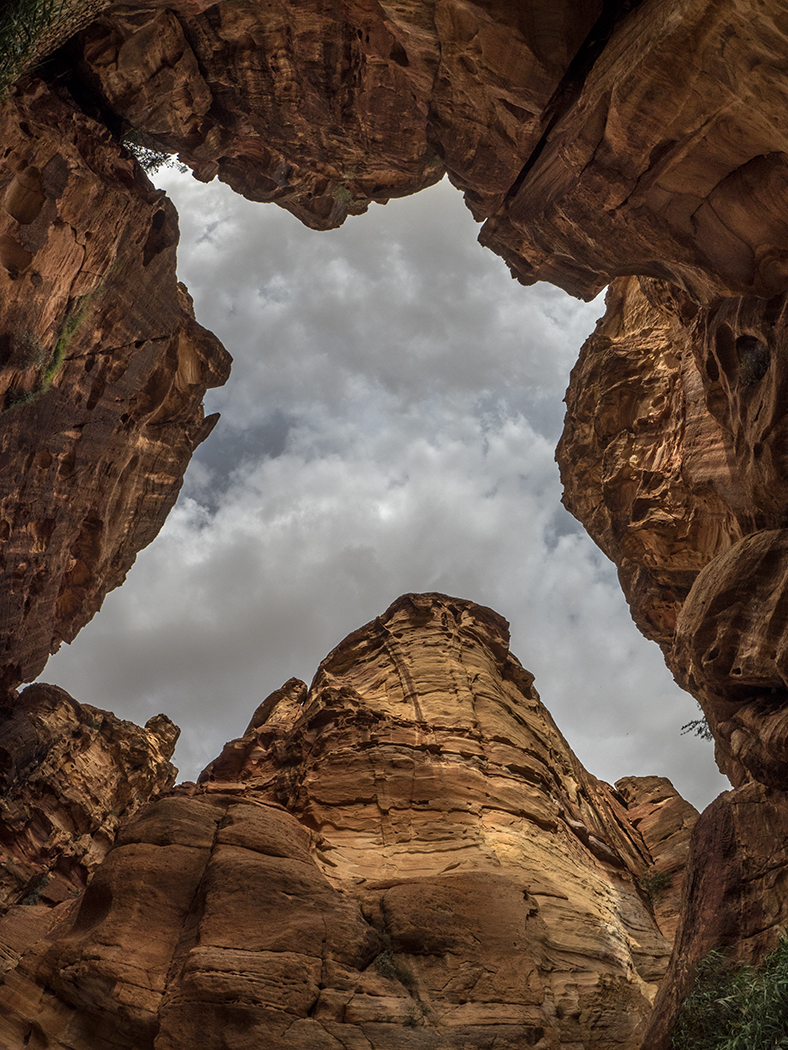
389	427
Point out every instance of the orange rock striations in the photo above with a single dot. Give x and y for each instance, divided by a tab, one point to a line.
408	855
69	775
597	140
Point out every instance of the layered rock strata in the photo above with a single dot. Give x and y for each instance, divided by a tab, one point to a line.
596	140
70	775
734	896
102	371
666	821
407	855
629	138
673	457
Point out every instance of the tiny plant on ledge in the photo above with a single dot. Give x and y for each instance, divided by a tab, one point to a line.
149	157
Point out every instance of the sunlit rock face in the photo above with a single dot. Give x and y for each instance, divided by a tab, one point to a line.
407	855
640	140
673	457
103	372
69	775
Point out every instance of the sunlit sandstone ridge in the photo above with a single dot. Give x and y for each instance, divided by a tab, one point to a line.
673	456
642	140
408	854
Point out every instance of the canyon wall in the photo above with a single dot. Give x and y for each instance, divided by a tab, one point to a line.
673	457
406	855
635	140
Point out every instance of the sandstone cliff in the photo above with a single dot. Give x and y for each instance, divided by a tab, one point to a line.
673	457
596	140
643	140
69	775
407	855
102	372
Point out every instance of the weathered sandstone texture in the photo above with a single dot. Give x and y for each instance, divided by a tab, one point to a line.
673	456
646	467
734	893
665	820
102	372
406	856
600	139
643	139
69	775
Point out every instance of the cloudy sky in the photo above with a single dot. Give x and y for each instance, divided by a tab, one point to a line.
389	426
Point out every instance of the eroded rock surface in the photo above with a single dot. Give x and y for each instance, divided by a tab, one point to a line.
611	138
597	140
407	856
673	457
103	372
734	893
70	775
665	820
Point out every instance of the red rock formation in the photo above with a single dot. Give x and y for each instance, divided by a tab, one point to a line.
69	775
640	138
103	372
548	116
669	137
638	457
408	856
673	457
665	820
734	893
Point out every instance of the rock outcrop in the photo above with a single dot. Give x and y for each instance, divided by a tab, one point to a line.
103	372
407	855
70	775
638	139
734	895
597	140
665	820
673	457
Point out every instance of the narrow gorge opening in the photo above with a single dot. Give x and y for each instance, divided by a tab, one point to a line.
389	426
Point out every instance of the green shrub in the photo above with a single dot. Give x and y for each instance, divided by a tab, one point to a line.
149	157
653	882
736	1007
388	966
25	25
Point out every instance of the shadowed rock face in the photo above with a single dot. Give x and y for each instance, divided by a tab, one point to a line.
734	896
659	117
408	856
69	775
102	372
